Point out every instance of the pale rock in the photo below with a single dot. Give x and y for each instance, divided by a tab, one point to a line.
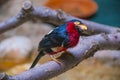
14	50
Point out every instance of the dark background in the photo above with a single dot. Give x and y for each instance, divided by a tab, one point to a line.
108	12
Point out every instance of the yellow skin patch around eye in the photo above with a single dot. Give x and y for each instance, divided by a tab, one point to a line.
76	23
83	27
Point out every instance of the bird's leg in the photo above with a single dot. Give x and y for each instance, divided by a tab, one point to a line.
54	59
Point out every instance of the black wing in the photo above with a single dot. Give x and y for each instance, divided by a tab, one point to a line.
54	38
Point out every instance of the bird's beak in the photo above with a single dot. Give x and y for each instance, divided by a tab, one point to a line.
82	27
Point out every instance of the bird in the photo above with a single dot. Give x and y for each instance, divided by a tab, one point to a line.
60	39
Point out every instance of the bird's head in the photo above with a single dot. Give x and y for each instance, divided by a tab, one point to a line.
79	25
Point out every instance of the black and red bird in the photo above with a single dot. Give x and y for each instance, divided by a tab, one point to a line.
60	39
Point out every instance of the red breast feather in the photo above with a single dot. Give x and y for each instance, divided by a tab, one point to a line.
73	34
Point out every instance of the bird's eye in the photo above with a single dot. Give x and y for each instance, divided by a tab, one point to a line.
76	23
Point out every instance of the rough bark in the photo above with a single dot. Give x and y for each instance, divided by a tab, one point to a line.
48	15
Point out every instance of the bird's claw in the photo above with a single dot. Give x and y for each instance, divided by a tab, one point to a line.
56	60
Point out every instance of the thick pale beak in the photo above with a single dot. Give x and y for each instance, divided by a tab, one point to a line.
82	27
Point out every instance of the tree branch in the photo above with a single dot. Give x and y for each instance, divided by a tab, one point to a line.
20	18
86	48
59	17
45	14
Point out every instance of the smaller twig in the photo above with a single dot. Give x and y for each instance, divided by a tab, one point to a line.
27	5
17	20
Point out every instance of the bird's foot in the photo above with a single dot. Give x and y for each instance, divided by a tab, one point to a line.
56	60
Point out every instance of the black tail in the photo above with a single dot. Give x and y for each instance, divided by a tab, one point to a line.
40	54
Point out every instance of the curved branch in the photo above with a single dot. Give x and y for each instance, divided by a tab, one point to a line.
58	17
82	51
17	20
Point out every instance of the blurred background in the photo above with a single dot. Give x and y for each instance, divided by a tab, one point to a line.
18	47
